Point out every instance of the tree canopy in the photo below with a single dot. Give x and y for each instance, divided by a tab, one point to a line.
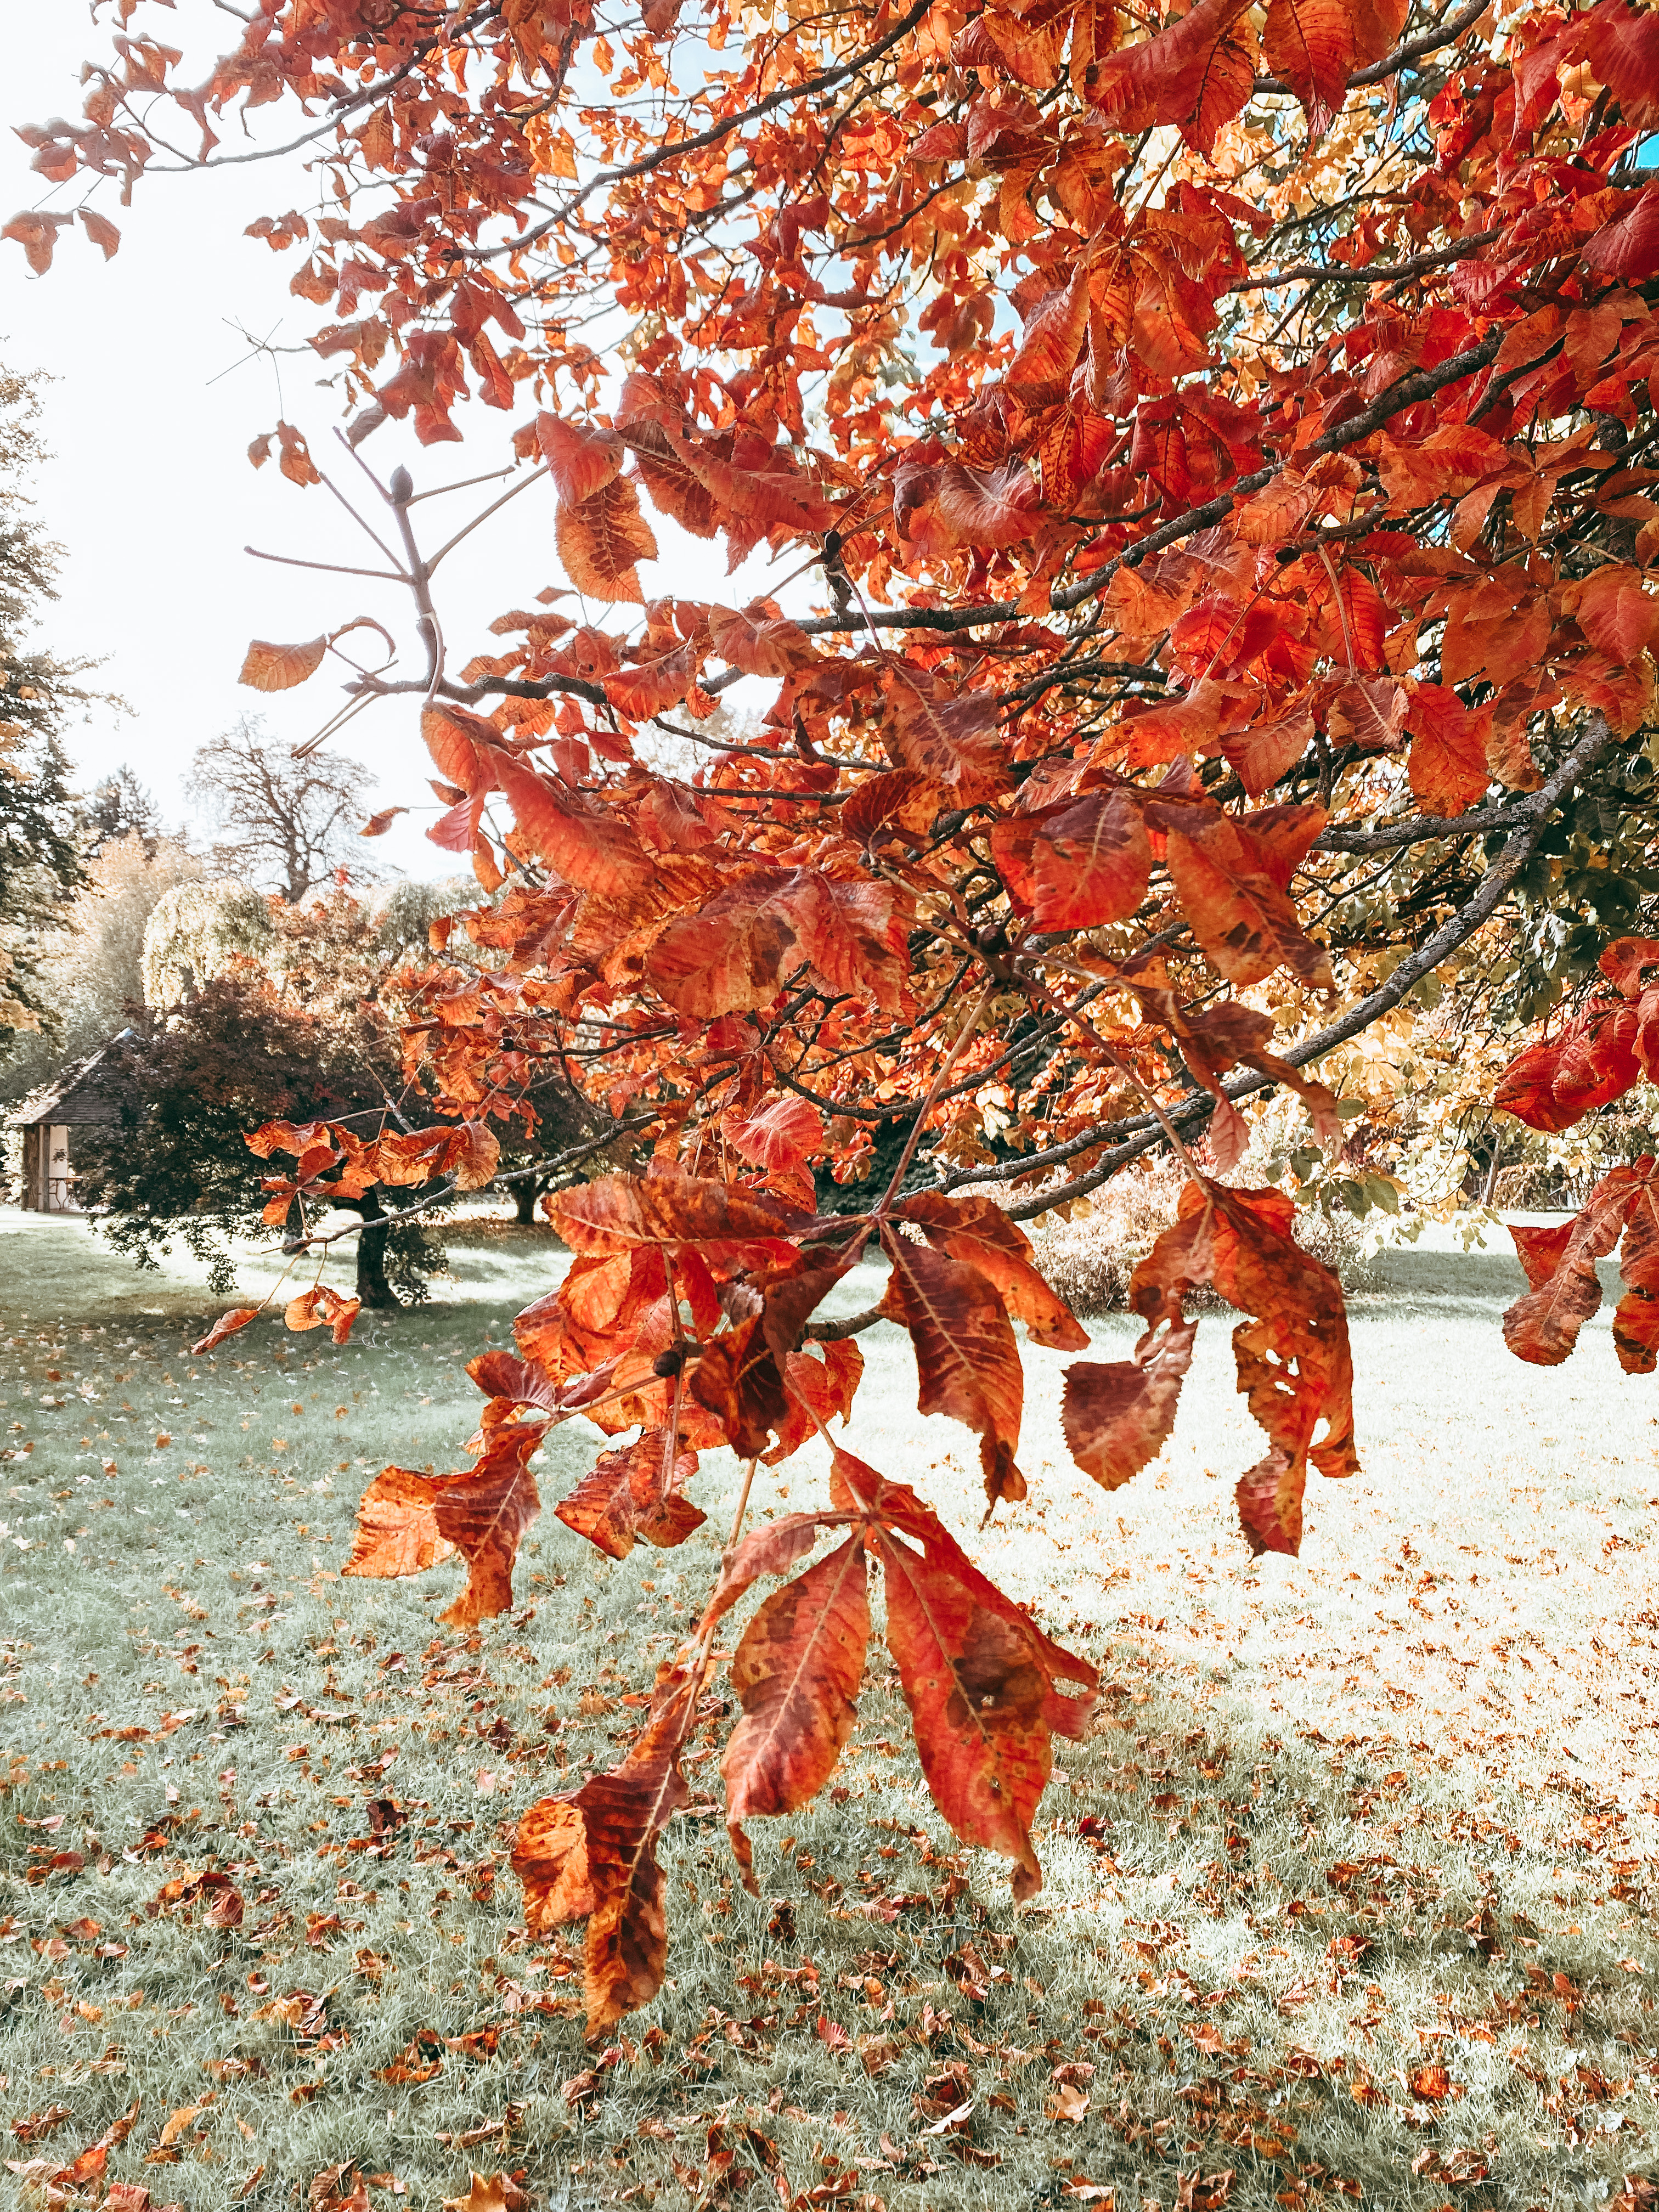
41	851
1219	441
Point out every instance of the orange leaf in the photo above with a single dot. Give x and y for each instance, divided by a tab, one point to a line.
1240	916
759	641
398	1526
280	667
549	1857
102	232
38	235
635	1493
601	540
484	1514
227	1325
579	462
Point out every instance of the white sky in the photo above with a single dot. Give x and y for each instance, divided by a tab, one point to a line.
149	490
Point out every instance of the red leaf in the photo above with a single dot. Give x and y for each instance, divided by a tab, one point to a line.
1627	247
1447	761
632	1492
738	1380
1592	1061
733	952
966	1362
1197	73
1636	1319
1294	1365
954	743
976	1231
596	852
780	1136
595	1852
1542	1326
1119	1414
1090	864
1047	353
1310	45
484	1514
796	1673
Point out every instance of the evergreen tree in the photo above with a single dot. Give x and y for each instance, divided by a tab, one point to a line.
40	849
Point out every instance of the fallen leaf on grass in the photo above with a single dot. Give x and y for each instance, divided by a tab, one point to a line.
1206	2193
490	2192
40	2124
250	2185
1431	2083
959	2118
1068	2103
164	2153
337	2189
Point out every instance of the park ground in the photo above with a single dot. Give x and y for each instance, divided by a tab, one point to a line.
1350	1896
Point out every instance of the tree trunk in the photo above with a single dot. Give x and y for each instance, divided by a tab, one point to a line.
373	1288
525	1195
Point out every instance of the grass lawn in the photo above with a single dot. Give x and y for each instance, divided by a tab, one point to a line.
1350	1895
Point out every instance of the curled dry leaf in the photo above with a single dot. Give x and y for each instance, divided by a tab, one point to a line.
280	667
227	1325
323	1308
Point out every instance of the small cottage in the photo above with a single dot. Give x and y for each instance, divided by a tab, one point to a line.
85	1096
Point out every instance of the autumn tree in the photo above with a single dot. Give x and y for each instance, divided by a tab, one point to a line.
289	824
259	1017
308	1029
1218	441
90	964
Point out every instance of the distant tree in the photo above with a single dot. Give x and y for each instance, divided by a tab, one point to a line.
200	929
91	967
290	825
300	1023
119	808
40	852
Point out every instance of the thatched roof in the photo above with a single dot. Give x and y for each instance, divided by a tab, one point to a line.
87	1091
